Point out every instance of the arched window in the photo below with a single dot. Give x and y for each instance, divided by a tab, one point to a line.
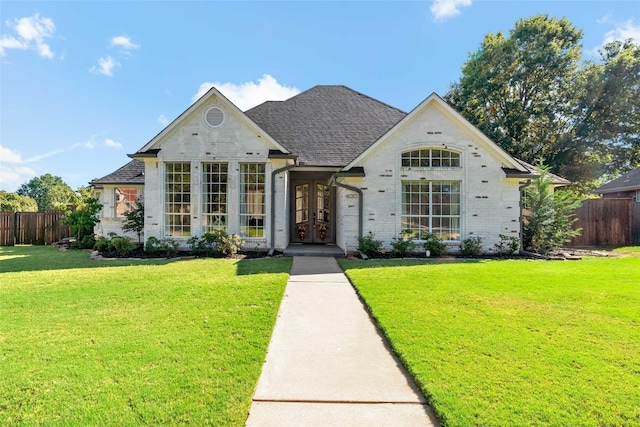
431	158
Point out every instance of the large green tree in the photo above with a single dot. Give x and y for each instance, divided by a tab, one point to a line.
530	92
49	192
605	135
11	202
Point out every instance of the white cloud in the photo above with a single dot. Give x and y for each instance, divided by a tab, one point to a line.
105	66
10	42
445	9
249	94
8	155
11	176
123	42
623	31
163	120
31	33
45	155
15	170
112	144
12	170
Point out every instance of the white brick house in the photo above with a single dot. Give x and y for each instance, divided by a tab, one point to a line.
322	168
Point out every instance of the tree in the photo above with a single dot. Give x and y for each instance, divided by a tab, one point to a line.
49	192
530	94
134	220
83	219
605	134
548	223
11	202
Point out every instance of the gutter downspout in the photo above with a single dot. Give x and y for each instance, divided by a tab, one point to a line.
273	205
521	189
360	201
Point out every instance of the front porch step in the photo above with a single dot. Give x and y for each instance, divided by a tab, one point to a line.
314	250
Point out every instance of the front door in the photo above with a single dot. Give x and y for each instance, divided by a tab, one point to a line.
313	213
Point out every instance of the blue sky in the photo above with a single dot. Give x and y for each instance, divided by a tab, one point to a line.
84	83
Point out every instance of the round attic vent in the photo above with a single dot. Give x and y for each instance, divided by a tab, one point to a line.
214	117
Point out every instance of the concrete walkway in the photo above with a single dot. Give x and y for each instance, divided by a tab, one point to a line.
327	365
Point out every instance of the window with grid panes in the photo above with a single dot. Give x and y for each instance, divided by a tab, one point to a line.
252	202
431	207
177	199
214	196
431	158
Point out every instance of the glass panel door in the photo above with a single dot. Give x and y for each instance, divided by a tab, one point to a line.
302	224
312	220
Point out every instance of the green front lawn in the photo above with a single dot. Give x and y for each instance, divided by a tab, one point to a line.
517	343
161	342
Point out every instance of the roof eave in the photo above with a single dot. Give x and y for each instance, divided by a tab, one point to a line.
617	190
145	154
353	172
277	154
515	173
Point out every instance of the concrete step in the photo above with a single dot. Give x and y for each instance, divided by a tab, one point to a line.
314	250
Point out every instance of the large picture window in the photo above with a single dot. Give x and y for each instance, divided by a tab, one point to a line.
431	207
252	190
126	200
177	199
431	158
214	196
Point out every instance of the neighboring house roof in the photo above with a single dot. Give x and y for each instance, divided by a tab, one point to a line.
627	182
326	125
132	173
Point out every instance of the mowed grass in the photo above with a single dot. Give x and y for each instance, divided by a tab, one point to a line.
166	342
514	342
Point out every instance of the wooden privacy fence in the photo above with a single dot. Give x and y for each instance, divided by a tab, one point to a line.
32	228
608	223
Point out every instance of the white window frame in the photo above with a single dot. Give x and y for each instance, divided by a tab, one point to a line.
252	204
429	211
431	158
215	212
177	199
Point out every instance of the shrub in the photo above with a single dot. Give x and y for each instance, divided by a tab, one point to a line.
215	243
434	244
402	246
103	245
153	245
471	246
230	244
205	245
548	223
85	242
368	245
123	245
170	247
167	246
507	245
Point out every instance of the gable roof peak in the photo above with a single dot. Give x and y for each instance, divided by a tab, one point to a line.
326	125
213	92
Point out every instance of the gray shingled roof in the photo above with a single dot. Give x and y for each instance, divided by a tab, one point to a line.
326	125
131	173
628	181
